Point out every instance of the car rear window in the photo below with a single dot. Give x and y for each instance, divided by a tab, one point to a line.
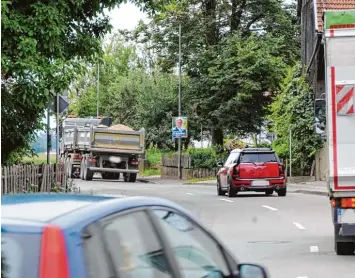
20	255
258	157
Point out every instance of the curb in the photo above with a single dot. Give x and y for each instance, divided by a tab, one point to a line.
310	192
199	183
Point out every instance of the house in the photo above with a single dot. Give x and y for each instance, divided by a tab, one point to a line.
310	13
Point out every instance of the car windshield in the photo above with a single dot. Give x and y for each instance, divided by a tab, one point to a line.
20	255
258	157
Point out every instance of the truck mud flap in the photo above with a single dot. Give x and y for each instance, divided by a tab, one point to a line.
347	230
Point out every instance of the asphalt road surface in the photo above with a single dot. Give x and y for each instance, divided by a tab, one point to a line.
291	236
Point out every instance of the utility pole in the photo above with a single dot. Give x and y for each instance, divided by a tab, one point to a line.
98	90
49	139
179	139
290	149
57	127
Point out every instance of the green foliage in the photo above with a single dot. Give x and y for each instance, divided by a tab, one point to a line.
43	44
233	51
293	108
206	158
154	157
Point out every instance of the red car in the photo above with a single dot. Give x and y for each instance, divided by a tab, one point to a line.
251	169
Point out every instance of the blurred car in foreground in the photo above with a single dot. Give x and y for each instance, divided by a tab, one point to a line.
88	236
251	169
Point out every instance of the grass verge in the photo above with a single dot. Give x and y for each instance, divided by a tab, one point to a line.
200	180
40	158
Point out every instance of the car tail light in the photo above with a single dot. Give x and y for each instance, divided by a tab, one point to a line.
236	170
53	260
134	162
347	202
281	169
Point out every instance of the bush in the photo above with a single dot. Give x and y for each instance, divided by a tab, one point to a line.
206	158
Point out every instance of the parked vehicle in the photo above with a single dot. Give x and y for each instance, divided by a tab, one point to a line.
88	145
339	45
84	236
251	169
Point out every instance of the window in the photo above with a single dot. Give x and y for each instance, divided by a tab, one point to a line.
134	247
258	157
20	255
97	263
197	254
232	158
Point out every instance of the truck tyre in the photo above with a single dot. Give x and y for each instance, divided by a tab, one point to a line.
88	174
282	192
132	177
232	192
82	167
344	248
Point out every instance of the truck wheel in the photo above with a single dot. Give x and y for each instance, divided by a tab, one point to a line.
125	177
282	192
82	167
88	174
132	177
344	248
116	176
105	176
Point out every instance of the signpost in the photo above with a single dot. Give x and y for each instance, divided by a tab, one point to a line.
58	105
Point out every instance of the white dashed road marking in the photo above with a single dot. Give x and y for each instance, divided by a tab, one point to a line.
301	277
299	226
314	249
188	193
226	200
270	208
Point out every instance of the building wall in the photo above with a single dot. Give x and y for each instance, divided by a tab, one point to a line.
308	31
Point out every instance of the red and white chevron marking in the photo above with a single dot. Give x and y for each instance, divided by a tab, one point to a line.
345	99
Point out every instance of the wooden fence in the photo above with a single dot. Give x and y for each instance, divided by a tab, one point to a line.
32	178
169	168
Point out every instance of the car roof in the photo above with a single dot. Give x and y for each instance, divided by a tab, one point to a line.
69	210
253	150
44	207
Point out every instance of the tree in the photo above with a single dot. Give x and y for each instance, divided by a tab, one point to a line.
43	44
207	28
293	108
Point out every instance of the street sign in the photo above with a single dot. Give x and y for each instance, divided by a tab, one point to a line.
63	104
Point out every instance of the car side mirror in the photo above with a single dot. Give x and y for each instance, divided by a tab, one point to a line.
220	164
251	271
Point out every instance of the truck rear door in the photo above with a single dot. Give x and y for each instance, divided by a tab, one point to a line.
340	86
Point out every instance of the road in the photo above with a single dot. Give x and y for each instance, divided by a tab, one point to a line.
291	236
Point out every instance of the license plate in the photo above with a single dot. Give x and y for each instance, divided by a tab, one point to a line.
260	183
346	216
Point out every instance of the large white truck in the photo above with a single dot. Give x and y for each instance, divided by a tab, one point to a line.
339	42
88	146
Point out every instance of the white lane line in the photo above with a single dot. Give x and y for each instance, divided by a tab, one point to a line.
301	277
270	208
314	249
188	193
226	200
299	226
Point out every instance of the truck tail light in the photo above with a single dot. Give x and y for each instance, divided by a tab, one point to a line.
236	171
77	156
93	160
53	260
347	202
134	162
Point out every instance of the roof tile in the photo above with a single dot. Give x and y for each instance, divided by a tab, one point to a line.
326	5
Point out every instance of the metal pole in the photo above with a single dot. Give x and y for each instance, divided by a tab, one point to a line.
179	139
98	90
290	152
48	135
201	137
57	127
